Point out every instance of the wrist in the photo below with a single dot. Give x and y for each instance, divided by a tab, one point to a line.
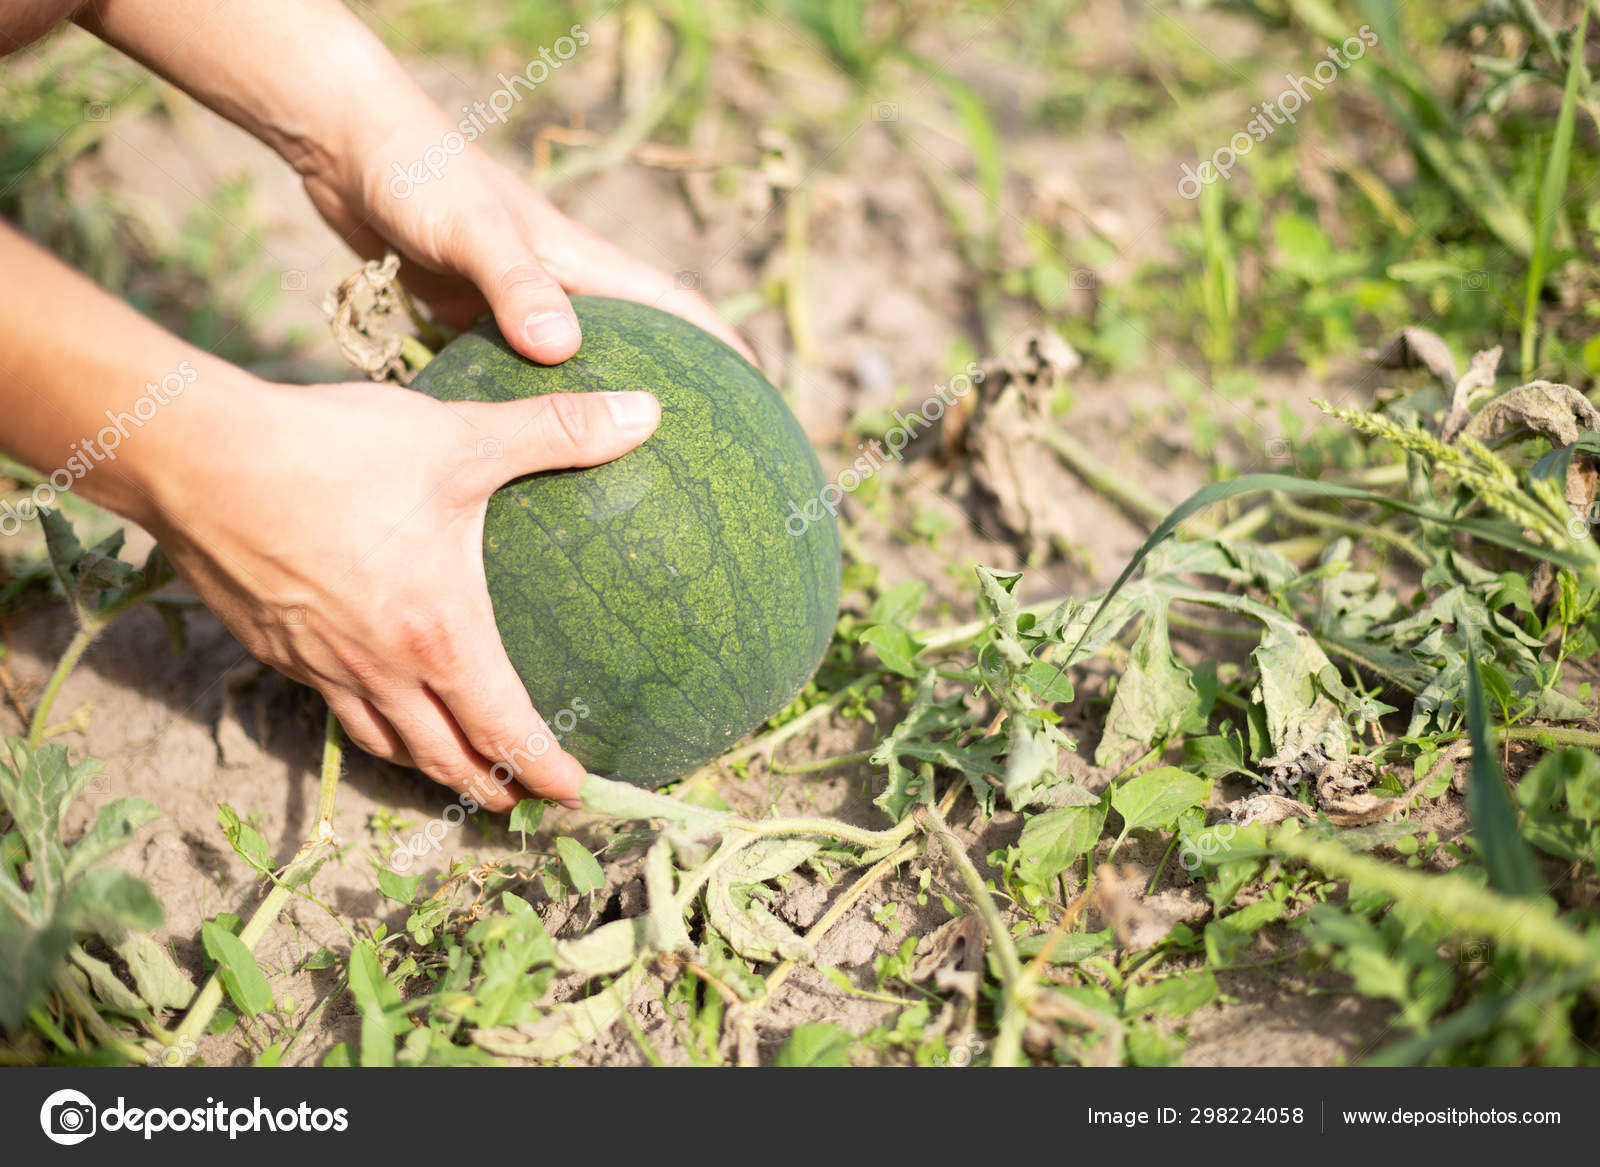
180	440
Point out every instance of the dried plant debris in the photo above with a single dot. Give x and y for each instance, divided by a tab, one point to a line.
1033	494
372	320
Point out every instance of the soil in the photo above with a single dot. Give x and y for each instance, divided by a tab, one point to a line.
889	290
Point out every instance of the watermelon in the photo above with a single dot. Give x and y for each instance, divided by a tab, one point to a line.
669	597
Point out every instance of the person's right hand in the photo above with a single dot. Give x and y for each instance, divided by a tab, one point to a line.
338	532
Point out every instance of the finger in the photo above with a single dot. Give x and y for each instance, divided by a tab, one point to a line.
443	753
532	311
492	708
369	729
557	431
592	266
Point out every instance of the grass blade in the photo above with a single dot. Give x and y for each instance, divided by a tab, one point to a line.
1494	820
1552	190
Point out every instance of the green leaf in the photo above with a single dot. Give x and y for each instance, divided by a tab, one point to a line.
897	648
378	1002
240	974
1070	948
113	827
526	817
1157	797
37	793
1216	756
1173	996
899	604
818	1044
108	900
583	870
1506	857
1053	840
32	955
244	839
1552	193
402	889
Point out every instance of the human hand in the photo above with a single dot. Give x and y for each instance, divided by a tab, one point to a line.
477	237
338	530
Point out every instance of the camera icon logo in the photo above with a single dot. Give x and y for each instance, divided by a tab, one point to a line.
1475	280
885	111
293	280
687	280
67	1117
490	448
97	111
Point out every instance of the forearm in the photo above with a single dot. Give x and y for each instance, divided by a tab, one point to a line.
97	395
304	76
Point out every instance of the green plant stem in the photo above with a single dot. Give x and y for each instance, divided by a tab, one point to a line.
284	885
822	763
620	800
1014	1013
1245	525
1322	519
1526	924
90	624
1561	737
332	758
103	1032
78	645
46	1025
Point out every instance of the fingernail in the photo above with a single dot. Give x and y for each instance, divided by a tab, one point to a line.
632	412
549	328
571	803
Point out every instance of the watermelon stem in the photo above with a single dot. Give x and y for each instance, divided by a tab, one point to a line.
1017	988
91	622
294	876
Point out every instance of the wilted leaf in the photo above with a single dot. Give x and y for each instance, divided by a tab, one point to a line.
160	981
1155	693
566	1027
607	949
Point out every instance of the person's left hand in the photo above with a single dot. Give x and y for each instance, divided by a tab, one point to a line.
477	236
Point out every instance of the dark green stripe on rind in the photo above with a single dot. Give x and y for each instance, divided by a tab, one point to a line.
662	591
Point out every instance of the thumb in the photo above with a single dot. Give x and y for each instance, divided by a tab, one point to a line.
530	308
559	431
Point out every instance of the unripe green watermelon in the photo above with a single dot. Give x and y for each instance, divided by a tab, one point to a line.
667	592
